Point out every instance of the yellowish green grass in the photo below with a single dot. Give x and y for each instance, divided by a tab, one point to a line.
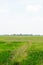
21	50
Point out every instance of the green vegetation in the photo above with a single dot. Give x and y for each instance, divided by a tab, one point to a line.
21	50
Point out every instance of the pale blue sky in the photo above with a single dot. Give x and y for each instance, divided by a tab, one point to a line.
21	16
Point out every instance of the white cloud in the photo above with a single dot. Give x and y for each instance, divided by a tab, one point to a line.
33	8
21	24
4	7
3	10
17	20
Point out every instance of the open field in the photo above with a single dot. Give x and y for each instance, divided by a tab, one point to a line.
21	50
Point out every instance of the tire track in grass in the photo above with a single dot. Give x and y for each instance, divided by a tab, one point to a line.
21	53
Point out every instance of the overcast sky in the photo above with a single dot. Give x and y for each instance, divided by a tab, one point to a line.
21	16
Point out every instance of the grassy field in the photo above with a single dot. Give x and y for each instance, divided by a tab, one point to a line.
21	50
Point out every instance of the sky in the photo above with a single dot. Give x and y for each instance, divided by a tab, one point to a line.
21	16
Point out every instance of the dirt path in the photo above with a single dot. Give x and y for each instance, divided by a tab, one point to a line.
21	53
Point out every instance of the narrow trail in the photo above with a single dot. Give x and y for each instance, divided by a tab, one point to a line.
21	53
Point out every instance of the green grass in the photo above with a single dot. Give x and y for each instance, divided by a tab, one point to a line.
21	50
